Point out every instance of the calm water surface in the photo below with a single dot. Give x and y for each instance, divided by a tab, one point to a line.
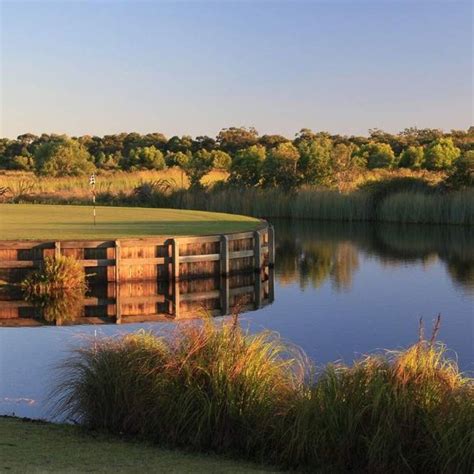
340	291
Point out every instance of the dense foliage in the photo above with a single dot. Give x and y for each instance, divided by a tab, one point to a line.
252	160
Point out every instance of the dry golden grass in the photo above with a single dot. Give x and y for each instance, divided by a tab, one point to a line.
22	182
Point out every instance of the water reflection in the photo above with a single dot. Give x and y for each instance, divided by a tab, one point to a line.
141	301
310	254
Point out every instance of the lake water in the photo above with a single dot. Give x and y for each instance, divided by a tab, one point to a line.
340	291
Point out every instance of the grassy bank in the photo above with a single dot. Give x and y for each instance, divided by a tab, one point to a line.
217	388
27	221
37	447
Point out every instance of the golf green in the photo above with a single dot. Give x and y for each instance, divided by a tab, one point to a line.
42	222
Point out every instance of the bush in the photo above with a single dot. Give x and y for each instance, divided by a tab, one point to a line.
211	387
441	154
413	157
57	289
376	155
462	174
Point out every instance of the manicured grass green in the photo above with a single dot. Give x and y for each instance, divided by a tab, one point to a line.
34	447
37	221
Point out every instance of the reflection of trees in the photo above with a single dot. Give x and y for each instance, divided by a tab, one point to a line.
310	252
462	272
346	262
311	262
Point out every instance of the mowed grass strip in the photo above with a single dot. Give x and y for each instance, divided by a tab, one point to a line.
37	447
36	221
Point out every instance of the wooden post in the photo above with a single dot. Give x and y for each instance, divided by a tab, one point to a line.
57	250
118	303
117	261
176	298
271	245
271	285
258	290
225	295
257	250
175	259
224	257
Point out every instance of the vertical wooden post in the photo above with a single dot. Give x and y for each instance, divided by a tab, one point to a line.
176	298
258	289
224	257
118	303
257	250
117	261
175	259
271	285
225	270
57	250
271	245
225	295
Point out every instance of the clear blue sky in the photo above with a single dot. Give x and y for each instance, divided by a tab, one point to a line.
195	67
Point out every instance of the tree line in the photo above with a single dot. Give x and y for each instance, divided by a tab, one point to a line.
251	160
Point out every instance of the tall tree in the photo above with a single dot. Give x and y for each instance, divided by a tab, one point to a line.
62	157
281	167
246	168
315	160
236	138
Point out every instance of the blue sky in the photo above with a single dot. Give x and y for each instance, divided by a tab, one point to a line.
180	67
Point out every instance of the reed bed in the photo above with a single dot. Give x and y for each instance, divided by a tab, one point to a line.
319	204
214	387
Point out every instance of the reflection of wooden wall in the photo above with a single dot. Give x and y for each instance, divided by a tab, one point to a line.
147	258
156	300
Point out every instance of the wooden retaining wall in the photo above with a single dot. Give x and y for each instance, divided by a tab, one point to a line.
161	258
153	300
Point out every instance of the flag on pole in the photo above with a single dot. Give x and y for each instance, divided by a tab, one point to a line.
92	183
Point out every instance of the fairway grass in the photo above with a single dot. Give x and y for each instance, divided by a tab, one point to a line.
34	447
37	221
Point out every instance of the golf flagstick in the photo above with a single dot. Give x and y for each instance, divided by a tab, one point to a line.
92	183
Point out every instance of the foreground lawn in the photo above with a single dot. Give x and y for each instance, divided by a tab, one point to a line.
34	447
36	221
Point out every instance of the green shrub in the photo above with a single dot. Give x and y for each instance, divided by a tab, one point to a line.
441	154
412	157
376	155
462	174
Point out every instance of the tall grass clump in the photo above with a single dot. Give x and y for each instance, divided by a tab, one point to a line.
213	387
406	411
202	387
56	289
